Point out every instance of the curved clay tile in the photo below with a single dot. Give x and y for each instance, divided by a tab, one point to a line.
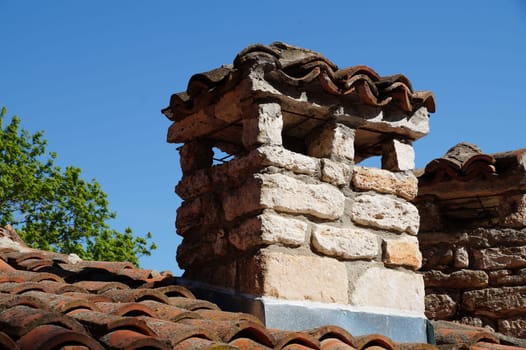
450	333
248	344
192	304
227	316
93	298
100	323
175	291
174	333
9	300
229	330
169	312
127	339
100	286
426	99
130	295
335	344
19	320
333	332
20	288
51	337
374	341
126	309
293	340
401	94
28	276
200	343
6	343
62	303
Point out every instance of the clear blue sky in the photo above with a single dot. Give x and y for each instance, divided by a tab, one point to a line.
95	74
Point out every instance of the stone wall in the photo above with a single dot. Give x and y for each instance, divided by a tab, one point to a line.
292	226
473	238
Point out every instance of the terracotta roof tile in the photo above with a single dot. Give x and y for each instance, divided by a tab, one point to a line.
73	309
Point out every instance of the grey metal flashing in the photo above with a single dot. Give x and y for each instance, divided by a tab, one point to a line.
297	316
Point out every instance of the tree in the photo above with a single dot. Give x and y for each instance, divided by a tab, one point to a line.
56	209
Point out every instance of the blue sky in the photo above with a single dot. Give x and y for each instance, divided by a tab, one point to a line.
95	74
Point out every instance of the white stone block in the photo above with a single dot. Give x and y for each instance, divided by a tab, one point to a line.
398	156
347	243
384	212
337	173
264	127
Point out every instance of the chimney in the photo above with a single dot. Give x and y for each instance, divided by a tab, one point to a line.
278	218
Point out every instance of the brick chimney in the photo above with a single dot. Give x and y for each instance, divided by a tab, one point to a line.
277	216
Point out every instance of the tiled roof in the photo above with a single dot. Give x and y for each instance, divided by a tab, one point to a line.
56	301
287	65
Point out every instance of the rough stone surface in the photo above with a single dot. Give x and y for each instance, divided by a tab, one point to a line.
398	156
515	327
462	279
513	211
336	173
291	195
384	212
507	277
371	284
402	184
496	302
195	155
296	277
402	251
461	257
347	243
440	306
281	157
268	228
334	141
264	127
500	258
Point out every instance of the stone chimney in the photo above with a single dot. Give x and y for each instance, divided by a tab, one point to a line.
277	217
473	238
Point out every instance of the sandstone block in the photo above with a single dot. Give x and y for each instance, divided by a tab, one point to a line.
264	127
398	156
461	258
512	211
440	306
347	243
507	277
386	213
462	279
295	277
283	158
437	258
194	185
195	155
496	302
336	173
266	229
335	141
402	184
500	258
402	251
515	327
373	285
285	194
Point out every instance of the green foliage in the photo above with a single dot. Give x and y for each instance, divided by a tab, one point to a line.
55	209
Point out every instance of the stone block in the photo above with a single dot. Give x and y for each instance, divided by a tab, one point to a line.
285	194
507	277
195	155
461	258
295	277
512	211
440	306
402	251
462	279
334	141
401	184
204	210
398	156
336	173
514	327
500	258
496	302
264	127
268	228
373	285
283	158
386	213
436	258
194	185
347	243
